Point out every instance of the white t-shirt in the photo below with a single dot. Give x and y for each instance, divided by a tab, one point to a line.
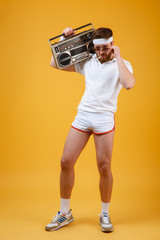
102	84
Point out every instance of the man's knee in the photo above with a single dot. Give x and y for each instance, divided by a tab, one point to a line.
104	168
66	163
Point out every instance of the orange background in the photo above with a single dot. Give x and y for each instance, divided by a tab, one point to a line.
39	104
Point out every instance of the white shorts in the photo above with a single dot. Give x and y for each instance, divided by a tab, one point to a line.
92	122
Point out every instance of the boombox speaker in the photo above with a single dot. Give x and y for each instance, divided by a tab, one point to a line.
73	49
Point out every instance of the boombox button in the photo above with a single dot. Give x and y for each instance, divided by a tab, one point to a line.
56	49
89	35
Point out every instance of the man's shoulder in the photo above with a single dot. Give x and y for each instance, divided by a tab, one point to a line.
90	58
81	64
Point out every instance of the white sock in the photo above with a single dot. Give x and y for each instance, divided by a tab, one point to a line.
105	207
65	205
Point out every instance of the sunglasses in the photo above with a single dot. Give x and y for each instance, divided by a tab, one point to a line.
97	48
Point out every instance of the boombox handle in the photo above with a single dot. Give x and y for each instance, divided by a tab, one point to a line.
73	29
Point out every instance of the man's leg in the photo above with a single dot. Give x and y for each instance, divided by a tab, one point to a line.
104	146
75	142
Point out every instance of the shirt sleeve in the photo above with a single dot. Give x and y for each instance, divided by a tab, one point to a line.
128	65
80	67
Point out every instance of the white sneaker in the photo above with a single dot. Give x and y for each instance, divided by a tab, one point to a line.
59	221
105	222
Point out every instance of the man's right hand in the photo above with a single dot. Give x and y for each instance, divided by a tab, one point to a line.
68	32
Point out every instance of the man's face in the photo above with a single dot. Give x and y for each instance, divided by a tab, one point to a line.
104	52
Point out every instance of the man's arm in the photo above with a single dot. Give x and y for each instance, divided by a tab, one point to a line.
67	33
126	77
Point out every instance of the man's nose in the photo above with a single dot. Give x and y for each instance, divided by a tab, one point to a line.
101	50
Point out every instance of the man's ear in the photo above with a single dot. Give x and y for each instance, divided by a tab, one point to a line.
112	43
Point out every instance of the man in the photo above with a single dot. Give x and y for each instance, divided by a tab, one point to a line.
105	74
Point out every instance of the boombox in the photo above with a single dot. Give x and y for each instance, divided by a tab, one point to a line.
73	49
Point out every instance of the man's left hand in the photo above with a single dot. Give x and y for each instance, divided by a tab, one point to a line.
116	51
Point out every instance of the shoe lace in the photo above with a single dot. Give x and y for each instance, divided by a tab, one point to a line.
106	218
56	217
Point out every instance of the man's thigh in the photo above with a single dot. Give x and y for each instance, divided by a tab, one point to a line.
104	147
75	142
